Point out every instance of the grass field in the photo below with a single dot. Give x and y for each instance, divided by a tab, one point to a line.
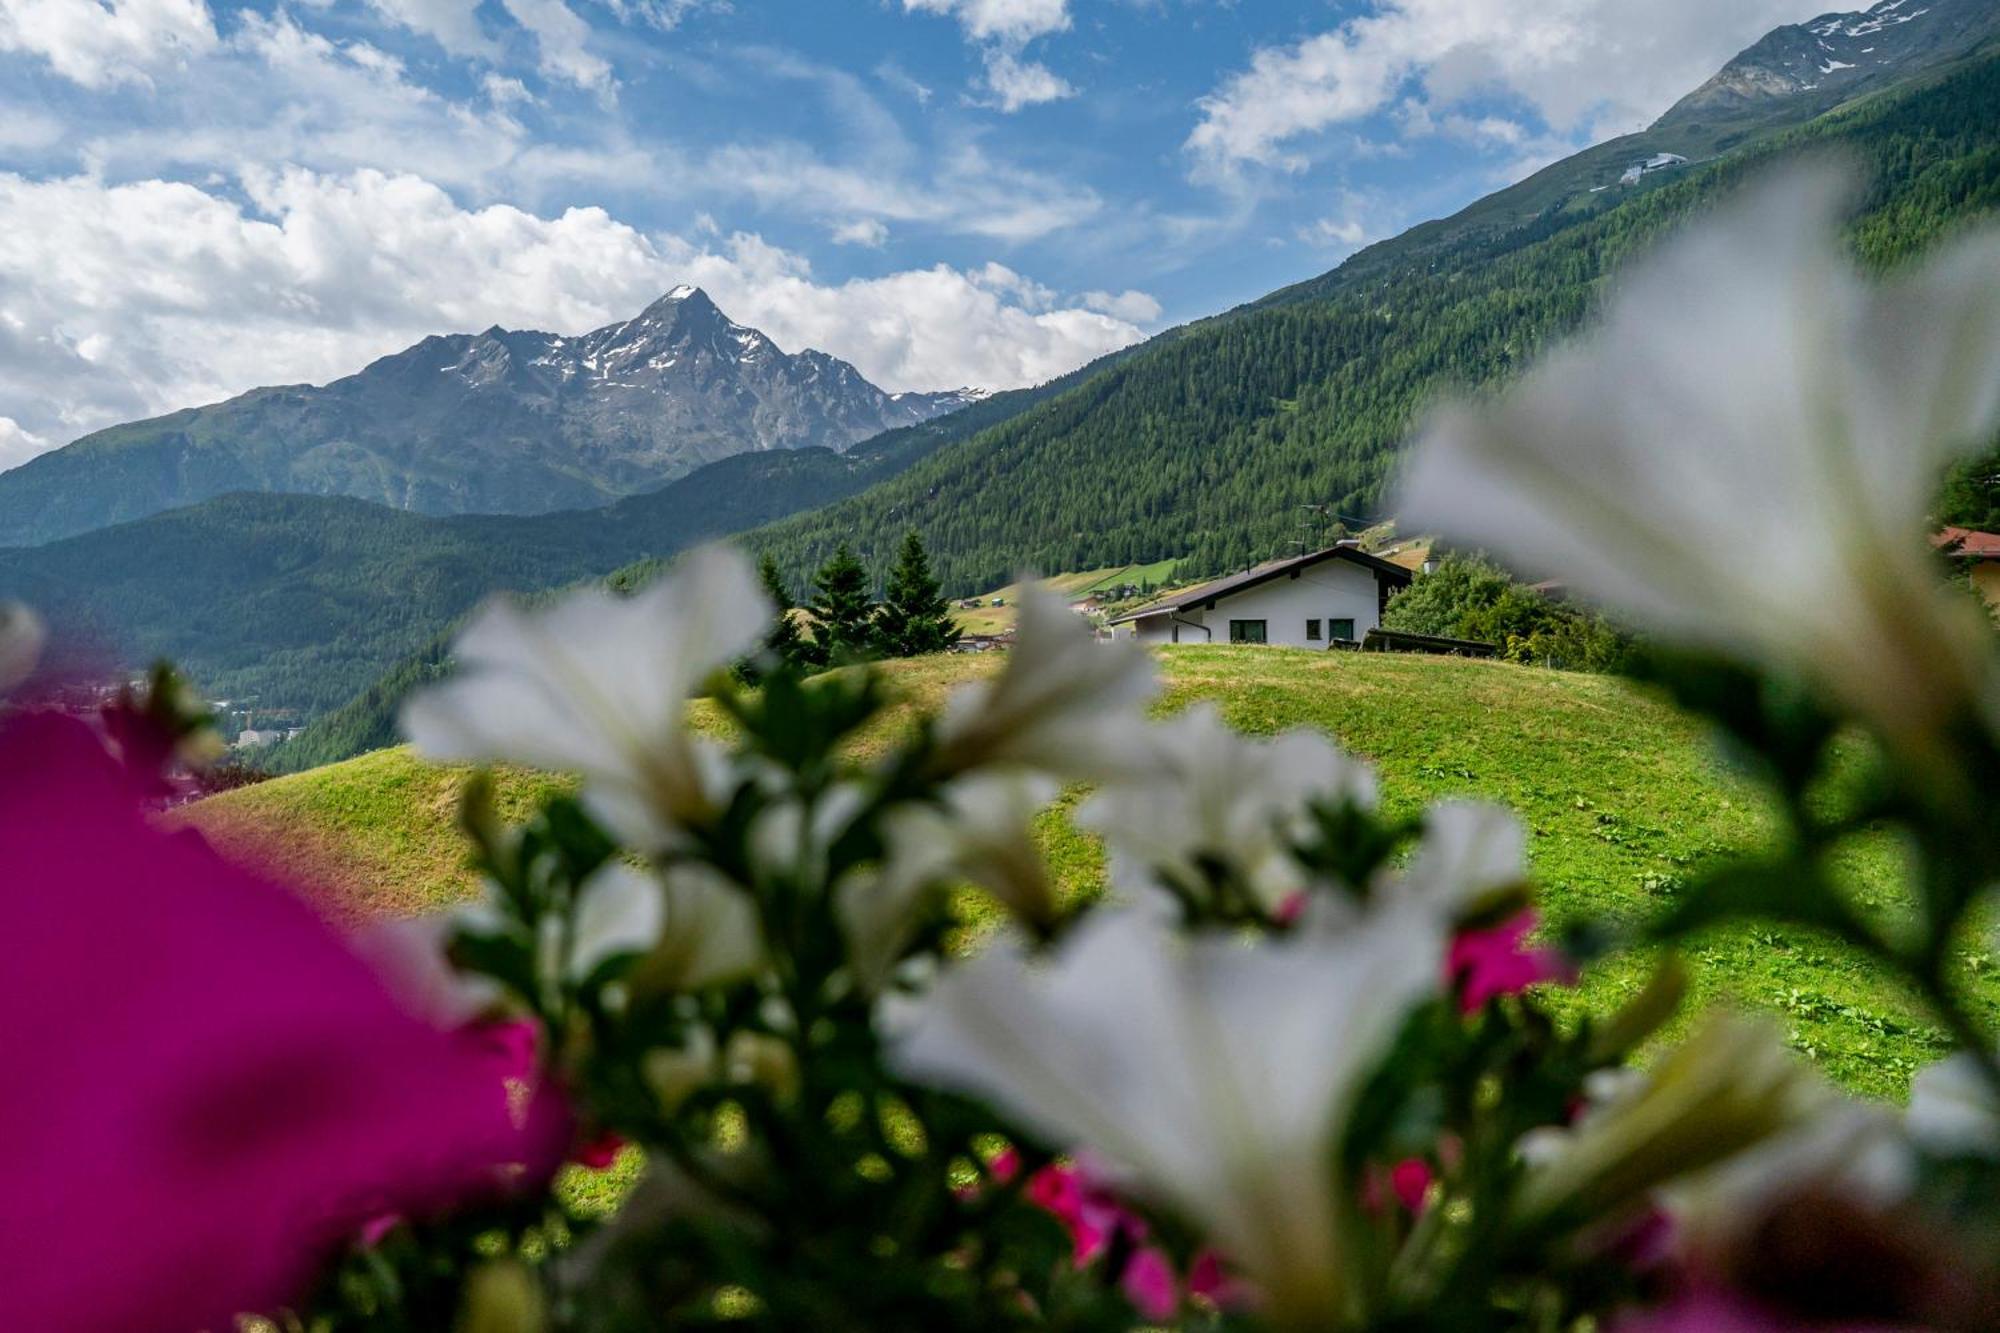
1620	794
990	619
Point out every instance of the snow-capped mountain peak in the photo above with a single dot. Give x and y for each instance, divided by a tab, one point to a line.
1825	60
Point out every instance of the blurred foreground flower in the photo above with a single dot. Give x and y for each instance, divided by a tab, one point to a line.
598	685
1065	704
1216	801
1727	1089
1217	1073
1742	458
21	638
206	1090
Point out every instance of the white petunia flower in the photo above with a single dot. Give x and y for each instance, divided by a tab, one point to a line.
619	910
710	935
22	636
1214	796
982	833
597	685
1742	457
1471	854
1217	1074
1953	1109
1065	704
1730	1088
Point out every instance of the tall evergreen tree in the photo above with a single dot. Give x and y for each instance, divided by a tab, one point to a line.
785	647
843	612
914	618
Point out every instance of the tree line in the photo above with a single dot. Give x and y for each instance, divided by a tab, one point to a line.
842	622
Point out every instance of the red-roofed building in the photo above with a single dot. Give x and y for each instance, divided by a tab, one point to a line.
1978	550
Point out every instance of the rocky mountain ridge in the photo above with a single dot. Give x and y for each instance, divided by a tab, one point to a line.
502	421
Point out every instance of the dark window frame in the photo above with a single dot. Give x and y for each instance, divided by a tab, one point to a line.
1333	630
1239	631
1312	631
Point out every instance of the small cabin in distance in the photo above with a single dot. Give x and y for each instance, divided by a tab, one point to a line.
1326	599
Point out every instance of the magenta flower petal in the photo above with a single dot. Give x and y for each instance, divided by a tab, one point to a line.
203	1090
1411	1179
1149	1283
1497	961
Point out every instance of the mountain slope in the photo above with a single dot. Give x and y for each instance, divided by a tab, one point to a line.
1772	87
1820	63
495	422
1208	442
301	601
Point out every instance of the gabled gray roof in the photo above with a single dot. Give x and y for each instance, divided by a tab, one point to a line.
1384	570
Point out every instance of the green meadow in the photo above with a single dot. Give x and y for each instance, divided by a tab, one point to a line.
1622	797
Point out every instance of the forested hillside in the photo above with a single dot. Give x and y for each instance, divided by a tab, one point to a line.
1207	441
299	602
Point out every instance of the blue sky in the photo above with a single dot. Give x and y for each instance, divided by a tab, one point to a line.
196	198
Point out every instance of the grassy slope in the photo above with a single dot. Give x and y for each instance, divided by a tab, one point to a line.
1621	795
990	619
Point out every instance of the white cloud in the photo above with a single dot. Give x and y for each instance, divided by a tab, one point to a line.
119	301
865	231
17	446
1013	21
1587	67
1017	83
97	44
904	82
503	89
562	42
1334	232
966	192
1135	307
453	24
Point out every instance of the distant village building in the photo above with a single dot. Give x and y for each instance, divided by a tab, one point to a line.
1657	162
1979	553
1327	599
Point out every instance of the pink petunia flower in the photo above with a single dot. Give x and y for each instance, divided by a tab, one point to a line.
1483	964
1149	1283
205	1091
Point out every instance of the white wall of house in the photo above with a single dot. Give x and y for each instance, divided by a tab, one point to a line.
1333	590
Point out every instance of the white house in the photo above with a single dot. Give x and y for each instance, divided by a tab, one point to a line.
1309	601
1657	162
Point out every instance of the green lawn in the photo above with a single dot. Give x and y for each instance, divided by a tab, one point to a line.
990	619
1621	796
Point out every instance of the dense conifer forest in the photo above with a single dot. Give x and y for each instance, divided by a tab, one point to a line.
1207	442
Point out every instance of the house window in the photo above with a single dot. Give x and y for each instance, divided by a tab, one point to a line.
1312	629
1341	630
1247	631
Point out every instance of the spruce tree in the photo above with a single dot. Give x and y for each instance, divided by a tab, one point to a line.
915	618
843	613
784	646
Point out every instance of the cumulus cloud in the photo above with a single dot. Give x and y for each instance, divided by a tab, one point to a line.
97	44
864	231
1135	307
1003	28
1017	83
119	301
562	41
1013	21
1586	67
17	446
1345	233
452	24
